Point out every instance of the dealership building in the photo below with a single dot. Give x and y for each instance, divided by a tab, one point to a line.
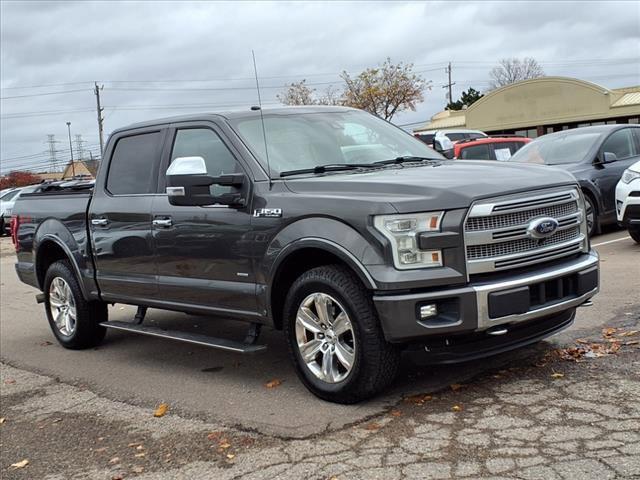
532	108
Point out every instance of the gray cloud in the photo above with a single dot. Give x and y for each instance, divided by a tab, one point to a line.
152	43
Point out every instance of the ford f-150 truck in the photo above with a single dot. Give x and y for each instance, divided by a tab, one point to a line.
355	239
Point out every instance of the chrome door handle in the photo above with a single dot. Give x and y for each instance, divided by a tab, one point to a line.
162	222
99	222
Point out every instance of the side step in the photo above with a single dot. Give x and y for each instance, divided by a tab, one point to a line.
195	338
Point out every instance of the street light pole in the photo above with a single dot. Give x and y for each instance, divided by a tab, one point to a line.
73	167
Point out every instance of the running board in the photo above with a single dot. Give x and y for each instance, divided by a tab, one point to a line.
194	338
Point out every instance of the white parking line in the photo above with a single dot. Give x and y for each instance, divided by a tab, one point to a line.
610	241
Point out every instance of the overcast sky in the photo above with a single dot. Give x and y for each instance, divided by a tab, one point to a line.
163	58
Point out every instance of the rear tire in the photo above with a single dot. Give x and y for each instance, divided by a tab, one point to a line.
361	362
635	233
75	322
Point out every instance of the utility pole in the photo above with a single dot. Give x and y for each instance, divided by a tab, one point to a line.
450	84
73	167
51	140
100	118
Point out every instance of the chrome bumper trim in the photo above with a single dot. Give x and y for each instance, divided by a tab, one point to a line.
483	291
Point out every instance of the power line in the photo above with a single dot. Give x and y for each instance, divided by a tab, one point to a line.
43	94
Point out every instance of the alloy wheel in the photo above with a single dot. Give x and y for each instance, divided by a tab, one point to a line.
62	306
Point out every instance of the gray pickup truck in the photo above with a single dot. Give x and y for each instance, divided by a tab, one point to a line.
352	237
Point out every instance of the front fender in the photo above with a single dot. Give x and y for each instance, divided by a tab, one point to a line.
324	233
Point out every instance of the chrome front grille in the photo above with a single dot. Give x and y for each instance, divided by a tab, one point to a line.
498	236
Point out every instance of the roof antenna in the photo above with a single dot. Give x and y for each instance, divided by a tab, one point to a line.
264	131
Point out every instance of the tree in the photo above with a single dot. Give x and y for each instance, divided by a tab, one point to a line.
466	99
511	70
18	179
385	90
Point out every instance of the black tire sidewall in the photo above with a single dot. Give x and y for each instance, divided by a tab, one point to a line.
634	232
594	208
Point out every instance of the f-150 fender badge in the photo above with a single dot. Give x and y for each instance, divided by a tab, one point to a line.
268	212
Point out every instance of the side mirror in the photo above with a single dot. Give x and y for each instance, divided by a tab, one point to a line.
609	157
188	184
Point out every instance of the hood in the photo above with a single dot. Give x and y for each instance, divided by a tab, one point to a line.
447	185
635	167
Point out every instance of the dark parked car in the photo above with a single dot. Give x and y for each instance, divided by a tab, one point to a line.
597	156
354	238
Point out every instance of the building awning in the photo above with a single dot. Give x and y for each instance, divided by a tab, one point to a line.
632	98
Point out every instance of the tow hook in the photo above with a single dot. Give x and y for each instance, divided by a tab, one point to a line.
588	303
40	297
497	331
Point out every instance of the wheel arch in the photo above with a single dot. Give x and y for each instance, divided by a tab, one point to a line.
303	255
50	249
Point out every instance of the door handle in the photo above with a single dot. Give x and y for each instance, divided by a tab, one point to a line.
100	222
162	222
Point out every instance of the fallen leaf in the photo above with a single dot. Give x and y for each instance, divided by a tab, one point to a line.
230	456
628	333
224	445
140	447
372	427
418	399
633	342
2	420
395	413
117	477
139	455
114	460
9	381
20	464
161	410
137	469
557	375
273	383
457	408
456	386
101	449
46	343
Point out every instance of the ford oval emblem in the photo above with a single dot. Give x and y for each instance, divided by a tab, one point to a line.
542	227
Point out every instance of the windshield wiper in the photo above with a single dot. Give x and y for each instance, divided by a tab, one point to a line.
330	167
405	159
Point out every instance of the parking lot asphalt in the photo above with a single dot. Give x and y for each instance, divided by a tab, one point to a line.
507	403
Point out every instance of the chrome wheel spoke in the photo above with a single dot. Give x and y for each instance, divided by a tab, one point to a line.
308	320
327	367
310	350
344	355
322	308
341	324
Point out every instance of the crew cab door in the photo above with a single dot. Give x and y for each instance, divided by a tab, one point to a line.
622	144
120	216
203	253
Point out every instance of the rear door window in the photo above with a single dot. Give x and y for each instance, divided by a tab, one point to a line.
134	165
476	152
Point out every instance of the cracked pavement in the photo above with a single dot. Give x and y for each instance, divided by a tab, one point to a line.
527	414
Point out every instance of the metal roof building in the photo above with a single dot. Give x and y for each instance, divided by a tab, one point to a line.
543	105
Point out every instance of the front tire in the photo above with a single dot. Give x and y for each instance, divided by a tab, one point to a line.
591	213
634	232
334	337
75	322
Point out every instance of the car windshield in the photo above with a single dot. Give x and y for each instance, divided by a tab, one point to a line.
300	141
9	195
557	149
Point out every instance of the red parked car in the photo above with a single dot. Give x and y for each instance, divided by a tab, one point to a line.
489	148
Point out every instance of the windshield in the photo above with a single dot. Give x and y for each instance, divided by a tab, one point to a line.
307	140
557	149
8	196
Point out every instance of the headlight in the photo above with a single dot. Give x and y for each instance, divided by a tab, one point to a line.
402	231
629	176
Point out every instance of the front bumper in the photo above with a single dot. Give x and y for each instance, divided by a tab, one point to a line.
628	203
492	307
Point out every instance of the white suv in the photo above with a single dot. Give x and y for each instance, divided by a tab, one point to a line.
628	200
7	199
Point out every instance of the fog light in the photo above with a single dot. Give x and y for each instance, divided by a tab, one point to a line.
428	311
